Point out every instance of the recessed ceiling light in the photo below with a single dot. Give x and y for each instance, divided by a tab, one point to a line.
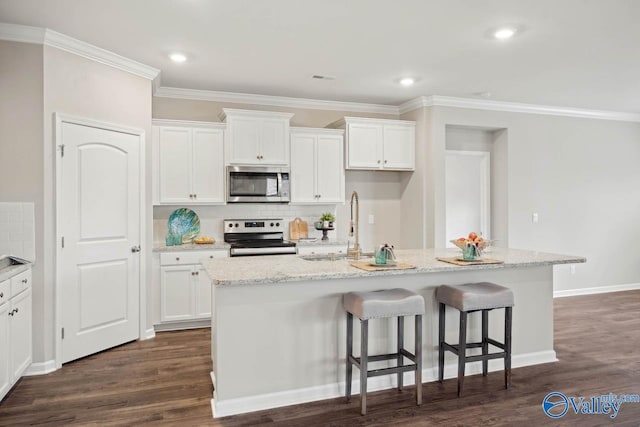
177	57
504	33
407	81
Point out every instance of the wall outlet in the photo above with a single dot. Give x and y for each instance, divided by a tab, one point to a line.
371	219
534	217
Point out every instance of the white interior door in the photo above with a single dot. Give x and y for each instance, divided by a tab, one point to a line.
99	220
467	193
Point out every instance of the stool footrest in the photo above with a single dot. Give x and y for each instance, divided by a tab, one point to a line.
480	357
455	348
495	343
392	370
388	356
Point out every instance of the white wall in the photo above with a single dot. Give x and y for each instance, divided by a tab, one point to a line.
579	175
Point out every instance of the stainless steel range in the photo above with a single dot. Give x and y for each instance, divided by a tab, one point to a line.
257	237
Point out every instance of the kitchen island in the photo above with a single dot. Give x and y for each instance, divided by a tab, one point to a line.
279	329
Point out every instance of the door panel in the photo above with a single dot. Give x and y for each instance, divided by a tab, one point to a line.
5	380
274	141
365	146
303	169
330	169
398	147
20	334
176	293
99	217
244	140
175	165
203	293
208	165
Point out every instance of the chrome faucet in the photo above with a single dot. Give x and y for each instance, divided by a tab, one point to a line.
353	228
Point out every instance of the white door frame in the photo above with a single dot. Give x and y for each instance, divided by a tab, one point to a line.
485	188
59	119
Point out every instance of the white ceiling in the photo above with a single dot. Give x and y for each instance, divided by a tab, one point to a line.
574	53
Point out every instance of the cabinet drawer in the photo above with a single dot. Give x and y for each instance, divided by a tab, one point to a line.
322	250
20	282
5	288
190	257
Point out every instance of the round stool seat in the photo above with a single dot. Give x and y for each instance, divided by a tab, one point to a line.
384	303
475	296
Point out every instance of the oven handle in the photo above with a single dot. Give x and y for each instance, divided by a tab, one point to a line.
281	250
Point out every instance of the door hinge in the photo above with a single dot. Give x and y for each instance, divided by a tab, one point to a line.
63	241
61	150
62	333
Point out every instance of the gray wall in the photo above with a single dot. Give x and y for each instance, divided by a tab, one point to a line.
21	157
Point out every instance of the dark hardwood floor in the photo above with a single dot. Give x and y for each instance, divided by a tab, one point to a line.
165	381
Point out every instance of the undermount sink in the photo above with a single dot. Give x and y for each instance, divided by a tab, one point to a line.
333	257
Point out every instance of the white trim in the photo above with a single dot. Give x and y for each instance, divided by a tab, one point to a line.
182	325
329	391
40	368
58	119
188	123
254	113
275	101
322	131
148	334
515	107
47	37
21	33
596	290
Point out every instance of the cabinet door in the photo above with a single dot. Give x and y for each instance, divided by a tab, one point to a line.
399	147
175	165
364	146
275	142
203	293
303	168
208	165
176	293
20	334
5	377
244	140
329	169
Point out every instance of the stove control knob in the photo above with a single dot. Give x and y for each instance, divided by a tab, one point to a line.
272	224
237	224
277	224
230	225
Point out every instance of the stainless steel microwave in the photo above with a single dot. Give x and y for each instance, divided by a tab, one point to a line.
255	184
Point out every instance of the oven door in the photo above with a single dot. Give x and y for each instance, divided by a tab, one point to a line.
257	185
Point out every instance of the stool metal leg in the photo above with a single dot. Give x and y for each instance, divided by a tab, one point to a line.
485	343
418	353
462	350
349	369
507	346
441	316
400	347
364	342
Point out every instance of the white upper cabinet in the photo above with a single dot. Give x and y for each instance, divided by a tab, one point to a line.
317	166
379	144
257	137
188	161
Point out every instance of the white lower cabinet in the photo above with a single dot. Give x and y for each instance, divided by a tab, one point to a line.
185	287
15	329
322	249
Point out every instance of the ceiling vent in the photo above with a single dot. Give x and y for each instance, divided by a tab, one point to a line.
320	77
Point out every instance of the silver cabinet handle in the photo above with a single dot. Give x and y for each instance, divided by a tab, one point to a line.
378	161
195	196
135	249
1	294
385	162
24	281
211	256
16	310
11	313
177	258
258	157
197	273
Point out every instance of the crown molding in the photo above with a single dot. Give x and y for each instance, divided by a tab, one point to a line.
515	107
188	123
274	101
21	33
47	37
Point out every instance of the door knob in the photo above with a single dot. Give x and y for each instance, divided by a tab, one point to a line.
135	249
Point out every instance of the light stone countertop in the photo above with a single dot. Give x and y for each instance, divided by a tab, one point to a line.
288	268
161	247
9	272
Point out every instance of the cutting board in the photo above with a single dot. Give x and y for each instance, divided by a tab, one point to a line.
298	229
457	261
366	265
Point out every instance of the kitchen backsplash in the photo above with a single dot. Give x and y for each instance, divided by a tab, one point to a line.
211	217
17	230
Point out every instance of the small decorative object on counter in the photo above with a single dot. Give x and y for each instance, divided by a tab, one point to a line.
327	219
173	239
204	240
472	246
385	255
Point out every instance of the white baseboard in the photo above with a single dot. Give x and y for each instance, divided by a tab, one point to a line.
40	368
597	290
329	391
181	325
148	334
